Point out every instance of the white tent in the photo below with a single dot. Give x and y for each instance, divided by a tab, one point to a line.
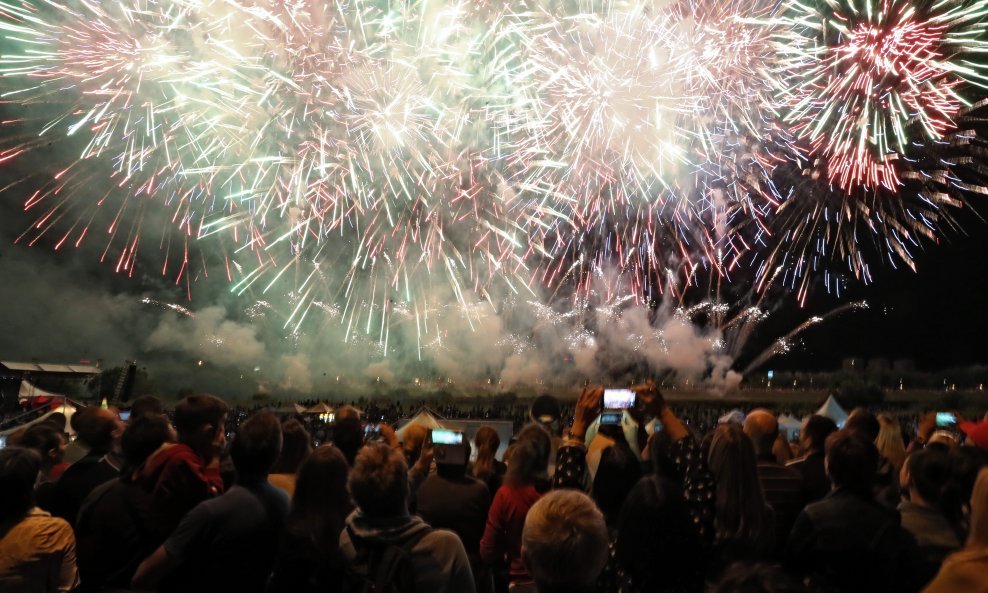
790	425
320	408
29	390
66	408
425	417
833	410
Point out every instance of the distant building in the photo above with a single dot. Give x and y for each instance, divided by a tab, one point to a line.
20	380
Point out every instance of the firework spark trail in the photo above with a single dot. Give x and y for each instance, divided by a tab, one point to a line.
785	343
610	120
863	82
357	157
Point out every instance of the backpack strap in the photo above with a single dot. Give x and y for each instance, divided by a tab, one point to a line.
384	566
391	568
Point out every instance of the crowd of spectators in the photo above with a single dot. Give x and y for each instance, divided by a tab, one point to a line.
205	498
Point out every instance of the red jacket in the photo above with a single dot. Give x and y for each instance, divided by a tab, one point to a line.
177	479
505	521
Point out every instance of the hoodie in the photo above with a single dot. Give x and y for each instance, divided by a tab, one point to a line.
177	480
438	559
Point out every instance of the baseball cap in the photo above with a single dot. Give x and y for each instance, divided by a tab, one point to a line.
977	431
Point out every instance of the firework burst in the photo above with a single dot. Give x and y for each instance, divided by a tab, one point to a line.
374	159
865	82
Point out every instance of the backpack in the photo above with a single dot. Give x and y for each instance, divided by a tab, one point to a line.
382	568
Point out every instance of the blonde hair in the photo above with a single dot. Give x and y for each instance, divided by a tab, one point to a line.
564	541
889	442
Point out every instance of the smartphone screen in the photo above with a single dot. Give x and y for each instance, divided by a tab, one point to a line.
611	418
618	399
125	415
946	419
447	437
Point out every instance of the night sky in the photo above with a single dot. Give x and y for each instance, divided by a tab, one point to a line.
937	316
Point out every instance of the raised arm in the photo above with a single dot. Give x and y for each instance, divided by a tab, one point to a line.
571	458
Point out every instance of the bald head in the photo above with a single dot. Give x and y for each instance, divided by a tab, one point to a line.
762	428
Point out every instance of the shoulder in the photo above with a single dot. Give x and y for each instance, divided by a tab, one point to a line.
474	484
276	496
46	532
441	541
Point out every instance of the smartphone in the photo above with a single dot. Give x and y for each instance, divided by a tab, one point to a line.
449	448
946	419
372	432
612	418
618	399
125	415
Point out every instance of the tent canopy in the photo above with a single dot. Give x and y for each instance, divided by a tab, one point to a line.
29	390
66	408
833	410
790	425
50	368
320	408
425	417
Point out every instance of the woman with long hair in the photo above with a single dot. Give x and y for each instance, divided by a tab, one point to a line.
965	570
617	473
486	467
296	446
526	480
889	442
743	522
657	548
309	560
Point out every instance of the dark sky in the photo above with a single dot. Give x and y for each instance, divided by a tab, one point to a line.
937	316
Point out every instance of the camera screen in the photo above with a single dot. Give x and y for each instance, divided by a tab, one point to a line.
611	418
618	399
447	437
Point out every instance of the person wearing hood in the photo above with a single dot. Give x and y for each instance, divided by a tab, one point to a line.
181	475
228	543
379	487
